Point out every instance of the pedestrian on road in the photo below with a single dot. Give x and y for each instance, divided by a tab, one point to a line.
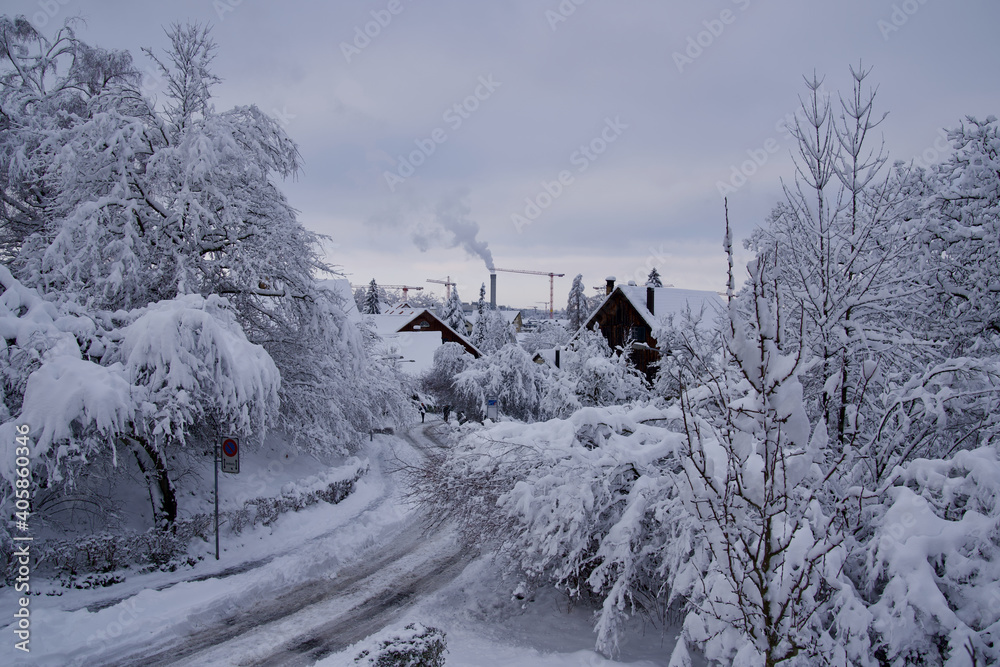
447	409
422	411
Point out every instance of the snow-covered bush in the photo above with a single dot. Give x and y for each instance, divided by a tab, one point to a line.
77	562
449	360
415	645
331	487
548	335
589	503
598	374
934	563
510	376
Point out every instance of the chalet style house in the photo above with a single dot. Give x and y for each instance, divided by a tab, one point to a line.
411	336
630	314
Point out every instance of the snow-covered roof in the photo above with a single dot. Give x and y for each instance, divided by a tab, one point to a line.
403	309
674	301
386	323
508	315
389	326
342	288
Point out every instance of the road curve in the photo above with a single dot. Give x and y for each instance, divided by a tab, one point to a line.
323	614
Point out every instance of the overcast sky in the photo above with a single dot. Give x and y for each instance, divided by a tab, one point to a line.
618	120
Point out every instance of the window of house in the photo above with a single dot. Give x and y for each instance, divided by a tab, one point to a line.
638	333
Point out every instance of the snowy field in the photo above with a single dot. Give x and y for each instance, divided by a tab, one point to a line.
340	567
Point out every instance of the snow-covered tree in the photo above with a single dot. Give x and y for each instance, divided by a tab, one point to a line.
957	211
757	477
424	300
576	305
372	305
146	380
479	326
546	336
510	376
842	262
587	502
454	313
449	360
495	332
115	205
653	279
598	374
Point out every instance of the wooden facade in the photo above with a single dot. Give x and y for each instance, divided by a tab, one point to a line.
621	323
426	321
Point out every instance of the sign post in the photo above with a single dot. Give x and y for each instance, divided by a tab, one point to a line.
227	452
492	409
216	466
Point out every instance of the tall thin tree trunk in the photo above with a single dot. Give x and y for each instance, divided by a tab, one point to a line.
153	466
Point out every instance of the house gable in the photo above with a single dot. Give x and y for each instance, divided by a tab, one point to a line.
426	321
625	317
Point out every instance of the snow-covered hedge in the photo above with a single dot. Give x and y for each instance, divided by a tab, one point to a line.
331	487
91	560
415	645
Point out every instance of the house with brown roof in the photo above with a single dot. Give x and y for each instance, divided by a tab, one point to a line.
411	336
630	314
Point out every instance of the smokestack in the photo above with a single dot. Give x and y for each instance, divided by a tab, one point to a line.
610	286
650	299
493	291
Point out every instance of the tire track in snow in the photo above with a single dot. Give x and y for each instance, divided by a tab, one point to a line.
329	613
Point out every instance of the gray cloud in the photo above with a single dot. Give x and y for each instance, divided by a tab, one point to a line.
657	186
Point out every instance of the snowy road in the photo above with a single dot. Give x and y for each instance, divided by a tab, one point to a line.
301	623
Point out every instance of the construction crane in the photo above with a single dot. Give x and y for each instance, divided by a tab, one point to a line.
447	285
405	288
552	279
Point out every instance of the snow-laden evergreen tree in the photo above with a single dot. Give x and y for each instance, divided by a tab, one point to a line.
576	305
454	313
496	331
479	326
653	279
372	304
